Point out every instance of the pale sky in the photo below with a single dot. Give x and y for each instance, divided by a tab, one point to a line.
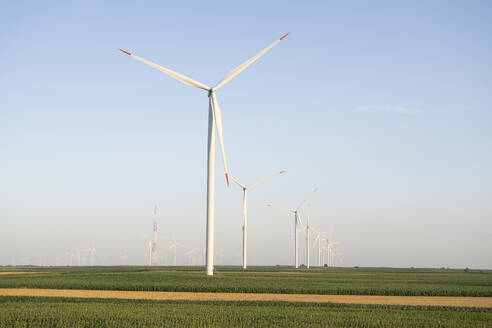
383	105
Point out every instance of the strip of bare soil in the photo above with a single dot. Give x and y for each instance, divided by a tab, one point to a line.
482	302
16	272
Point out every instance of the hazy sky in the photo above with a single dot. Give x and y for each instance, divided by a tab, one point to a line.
383	105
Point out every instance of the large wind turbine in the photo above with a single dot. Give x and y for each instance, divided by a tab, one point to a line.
297	222
214	118
245	210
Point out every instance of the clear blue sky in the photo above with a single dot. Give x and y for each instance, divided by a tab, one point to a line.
383	105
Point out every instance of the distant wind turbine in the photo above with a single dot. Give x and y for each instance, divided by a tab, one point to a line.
192	256
153	252
214	118
245	210
92	255
297	222
317	240
124	256
77	252
307	234
149	249
175	245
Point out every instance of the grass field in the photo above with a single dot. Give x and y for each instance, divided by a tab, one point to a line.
348	281
67	312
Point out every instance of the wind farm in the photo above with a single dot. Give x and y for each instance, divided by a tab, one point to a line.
352	150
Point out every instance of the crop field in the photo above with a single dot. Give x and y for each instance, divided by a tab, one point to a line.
56	311
68	312
339	281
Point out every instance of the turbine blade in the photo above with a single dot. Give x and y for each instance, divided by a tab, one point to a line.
299	219
229	76
265	179
309	196
177	76
282	208
218	123
232	178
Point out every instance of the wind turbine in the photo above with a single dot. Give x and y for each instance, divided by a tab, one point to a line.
324	250
331	252
68	257
214	118
306	229
220	256
77	251
92	254
307	234
297	222
175	245
153	252
149	248
328	251
192	256
124	256
318	241
337	257
245	210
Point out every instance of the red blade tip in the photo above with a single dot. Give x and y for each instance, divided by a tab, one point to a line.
126	52
284	36
227	179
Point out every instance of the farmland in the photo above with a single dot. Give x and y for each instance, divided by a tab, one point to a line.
82	311
338	281
67	312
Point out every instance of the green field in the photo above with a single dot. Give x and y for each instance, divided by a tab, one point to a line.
68	312
362	281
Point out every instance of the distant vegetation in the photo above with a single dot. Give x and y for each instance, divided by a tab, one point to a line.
363	281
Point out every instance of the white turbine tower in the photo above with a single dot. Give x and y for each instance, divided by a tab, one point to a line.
306	229
192	256
153	253
148	255
77	251
175	245
68	257
92	255
331	252
318	241
307	234
220	256
245	210
124	256
214	118
297	222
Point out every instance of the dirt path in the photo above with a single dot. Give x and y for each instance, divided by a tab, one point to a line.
482	302
17	272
